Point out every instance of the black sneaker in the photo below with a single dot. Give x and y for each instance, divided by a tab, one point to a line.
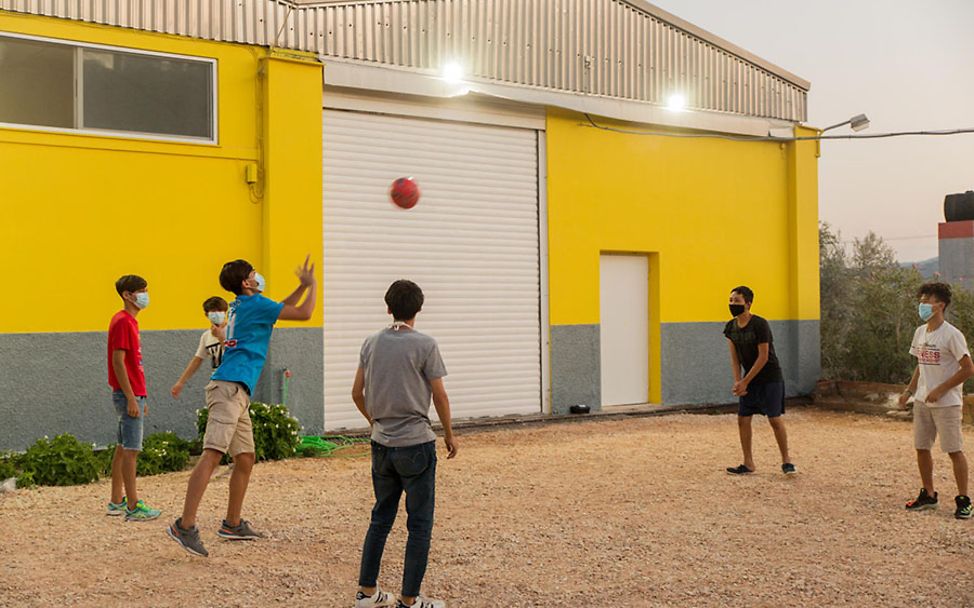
241	531
964	509
739	470
922	502
788	469
188	539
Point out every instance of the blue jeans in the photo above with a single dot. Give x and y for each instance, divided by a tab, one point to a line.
129	434
411	469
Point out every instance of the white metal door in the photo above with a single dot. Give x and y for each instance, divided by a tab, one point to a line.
624	331
471	244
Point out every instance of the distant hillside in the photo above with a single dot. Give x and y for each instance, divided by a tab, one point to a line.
927	268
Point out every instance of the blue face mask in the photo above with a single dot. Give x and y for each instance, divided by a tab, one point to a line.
926	311
142	299
261	282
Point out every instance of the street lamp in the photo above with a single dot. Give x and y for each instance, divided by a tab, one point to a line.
857	123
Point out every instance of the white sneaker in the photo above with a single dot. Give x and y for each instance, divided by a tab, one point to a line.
423	602
379	598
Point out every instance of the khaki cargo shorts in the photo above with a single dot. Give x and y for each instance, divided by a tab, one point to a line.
228	427
928	422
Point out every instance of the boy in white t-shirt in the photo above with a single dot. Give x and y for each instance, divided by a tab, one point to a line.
943	364
211	342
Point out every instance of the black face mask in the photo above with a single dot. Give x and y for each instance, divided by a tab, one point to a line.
736	310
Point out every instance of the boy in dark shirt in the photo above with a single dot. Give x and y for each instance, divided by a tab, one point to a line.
761	390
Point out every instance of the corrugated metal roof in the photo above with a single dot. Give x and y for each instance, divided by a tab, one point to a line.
622	49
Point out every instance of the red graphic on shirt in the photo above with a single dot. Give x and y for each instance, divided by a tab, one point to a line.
928	354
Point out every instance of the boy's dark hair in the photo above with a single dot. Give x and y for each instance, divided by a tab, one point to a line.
130	283
941	291
214	304
405	299
234	274
745	292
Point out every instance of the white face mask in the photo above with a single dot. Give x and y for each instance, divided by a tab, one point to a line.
217	317
261	282
142	299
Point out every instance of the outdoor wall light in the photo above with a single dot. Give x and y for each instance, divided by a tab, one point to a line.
453	72
676	103
857	123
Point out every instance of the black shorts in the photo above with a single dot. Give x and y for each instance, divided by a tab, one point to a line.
766	399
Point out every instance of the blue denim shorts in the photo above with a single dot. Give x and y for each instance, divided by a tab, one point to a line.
129	428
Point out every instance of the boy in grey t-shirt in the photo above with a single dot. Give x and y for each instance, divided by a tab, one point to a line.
400	370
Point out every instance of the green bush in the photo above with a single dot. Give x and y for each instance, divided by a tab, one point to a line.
7	467
62	461
12	465
275	430
104	458
163	453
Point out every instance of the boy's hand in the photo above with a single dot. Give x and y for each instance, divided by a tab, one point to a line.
904	397
451	446
145	409
133	408
934	396
740	389
306	272
175	390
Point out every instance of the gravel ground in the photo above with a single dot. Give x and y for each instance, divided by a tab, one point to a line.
634	512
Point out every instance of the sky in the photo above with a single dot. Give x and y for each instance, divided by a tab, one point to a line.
907	65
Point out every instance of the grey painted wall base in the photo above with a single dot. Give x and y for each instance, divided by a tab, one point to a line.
696	363
576	367
300	350
54	383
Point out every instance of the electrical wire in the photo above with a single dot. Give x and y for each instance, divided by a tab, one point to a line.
945	132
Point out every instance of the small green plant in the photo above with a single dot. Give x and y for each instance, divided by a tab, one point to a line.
276	431
62	461
12	465
163	453
7	467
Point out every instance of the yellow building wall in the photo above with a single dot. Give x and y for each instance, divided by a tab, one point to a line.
77	210
715	214
709	213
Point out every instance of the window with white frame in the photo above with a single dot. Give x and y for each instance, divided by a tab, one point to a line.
59	85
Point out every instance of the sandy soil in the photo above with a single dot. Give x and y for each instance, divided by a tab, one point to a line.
634	512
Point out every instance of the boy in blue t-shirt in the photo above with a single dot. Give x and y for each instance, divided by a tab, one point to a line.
228	428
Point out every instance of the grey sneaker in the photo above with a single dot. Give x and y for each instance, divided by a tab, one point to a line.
241	531
188	539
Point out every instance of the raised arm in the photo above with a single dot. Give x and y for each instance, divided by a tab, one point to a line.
294	312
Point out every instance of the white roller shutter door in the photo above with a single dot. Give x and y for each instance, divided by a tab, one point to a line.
471	244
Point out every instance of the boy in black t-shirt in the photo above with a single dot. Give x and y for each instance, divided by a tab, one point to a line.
762	388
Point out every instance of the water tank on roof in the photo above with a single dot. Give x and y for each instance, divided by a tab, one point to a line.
959	207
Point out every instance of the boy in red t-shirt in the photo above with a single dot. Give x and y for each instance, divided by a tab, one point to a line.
126	376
